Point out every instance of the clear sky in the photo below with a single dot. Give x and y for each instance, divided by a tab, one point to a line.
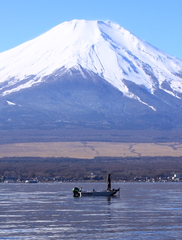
159	22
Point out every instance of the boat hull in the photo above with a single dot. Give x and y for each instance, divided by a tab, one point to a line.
105	193
78	193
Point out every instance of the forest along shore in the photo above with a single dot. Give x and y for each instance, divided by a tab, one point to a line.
142	169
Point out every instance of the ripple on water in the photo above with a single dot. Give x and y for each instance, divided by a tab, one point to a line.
48	211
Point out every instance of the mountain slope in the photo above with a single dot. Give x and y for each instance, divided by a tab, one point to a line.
89	73
104	48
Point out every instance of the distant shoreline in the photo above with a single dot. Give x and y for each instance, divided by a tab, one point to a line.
95	169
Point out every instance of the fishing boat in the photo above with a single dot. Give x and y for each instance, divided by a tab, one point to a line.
31	181
77	192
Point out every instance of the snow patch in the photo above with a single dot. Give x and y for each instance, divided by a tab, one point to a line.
11	103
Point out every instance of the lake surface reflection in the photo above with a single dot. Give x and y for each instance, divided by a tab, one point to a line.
49	211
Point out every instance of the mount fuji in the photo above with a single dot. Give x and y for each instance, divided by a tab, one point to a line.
93	74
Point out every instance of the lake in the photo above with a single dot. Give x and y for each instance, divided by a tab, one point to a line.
45	211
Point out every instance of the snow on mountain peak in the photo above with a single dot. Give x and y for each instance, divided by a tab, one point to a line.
104	48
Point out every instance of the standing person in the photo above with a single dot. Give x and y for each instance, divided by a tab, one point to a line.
109	182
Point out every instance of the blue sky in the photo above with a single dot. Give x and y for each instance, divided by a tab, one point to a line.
159	22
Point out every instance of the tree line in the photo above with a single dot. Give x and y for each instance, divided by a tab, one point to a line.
121	168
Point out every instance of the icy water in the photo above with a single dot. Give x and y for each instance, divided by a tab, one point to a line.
46	211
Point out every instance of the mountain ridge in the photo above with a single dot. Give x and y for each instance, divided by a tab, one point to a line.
91	74
90	46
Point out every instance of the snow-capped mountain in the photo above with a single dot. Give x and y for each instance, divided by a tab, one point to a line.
90	71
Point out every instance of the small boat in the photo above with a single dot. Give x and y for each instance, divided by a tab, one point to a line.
31	181
77	192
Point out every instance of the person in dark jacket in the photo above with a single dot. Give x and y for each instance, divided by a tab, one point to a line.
109	182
